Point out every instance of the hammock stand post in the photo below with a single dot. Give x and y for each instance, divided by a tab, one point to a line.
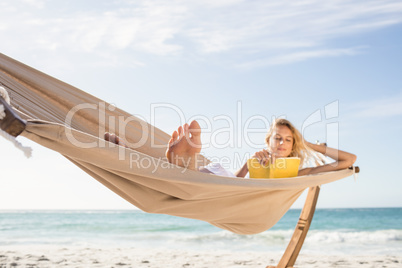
296	242
299	235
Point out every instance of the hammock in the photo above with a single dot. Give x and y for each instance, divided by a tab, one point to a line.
242	206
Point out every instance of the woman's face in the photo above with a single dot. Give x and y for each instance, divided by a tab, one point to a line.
281	141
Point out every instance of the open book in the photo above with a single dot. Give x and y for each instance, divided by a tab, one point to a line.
283	168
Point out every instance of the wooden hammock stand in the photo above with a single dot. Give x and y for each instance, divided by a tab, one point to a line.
14	125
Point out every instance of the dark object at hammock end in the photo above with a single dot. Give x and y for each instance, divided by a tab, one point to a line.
356	168
12	123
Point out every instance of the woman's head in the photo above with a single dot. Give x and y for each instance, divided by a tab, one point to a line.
284	140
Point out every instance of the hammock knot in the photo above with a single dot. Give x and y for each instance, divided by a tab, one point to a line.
26	150
2	112
4	94
6	97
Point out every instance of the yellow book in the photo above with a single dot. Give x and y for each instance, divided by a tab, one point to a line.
283	168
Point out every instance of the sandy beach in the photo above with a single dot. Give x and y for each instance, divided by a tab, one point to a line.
136	239
133	257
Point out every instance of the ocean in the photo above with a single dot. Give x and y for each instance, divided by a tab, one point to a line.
363	231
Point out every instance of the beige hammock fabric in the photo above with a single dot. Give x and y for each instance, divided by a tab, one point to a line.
141	175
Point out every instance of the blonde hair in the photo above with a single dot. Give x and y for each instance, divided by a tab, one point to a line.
299	148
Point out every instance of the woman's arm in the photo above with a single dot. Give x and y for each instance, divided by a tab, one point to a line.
342	160
242	172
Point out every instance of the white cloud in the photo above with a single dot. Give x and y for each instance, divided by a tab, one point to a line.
35	3
241	33
384	107
301	56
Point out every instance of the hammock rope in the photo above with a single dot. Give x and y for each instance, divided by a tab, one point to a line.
25	149
4	95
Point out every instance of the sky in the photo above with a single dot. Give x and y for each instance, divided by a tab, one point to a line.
333	68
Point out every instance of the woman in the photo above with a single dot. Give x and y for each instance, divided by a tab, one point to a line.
283	140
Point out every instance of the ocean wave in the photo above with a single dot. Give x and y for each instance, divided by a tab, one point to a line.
345	236
272	239
344	231
317	241
283	236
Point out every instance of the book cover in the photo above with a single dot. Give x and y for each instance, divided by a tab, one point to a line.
283	168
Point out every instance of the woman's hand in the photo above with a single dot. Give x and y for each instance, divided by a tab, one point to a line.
311	145
342	159
264	157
